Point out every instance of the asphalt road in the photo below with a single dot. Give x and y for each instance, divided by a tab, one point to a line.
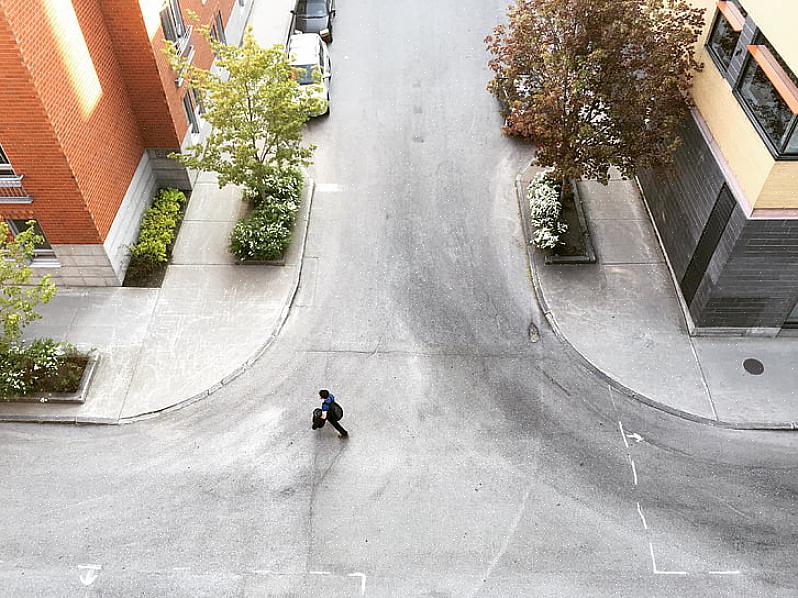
479	464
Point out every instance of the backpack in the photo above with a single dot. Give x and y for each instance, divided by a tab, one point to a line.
336	412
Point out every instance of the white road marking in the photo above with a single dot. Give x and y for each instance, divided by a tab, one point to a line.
89	573
639	510
319	572
634	469
654	564
362	577
623	435
329	188
735	572
180	568
636	437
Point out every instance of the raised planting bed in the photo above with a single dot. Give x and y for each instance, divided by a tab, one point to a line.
69	383
576	247
145	273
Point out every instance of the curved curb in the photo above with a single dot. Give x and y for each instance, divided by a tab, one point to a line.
613	382
253	358
281	319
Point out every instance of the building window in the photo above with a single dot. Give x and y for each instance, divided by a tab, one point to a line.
43	252
768	90
217	29
196	96
191	115
174	27
5	165
725	33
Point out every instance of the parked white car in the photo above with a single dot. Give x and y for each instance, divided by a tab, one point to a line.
309	55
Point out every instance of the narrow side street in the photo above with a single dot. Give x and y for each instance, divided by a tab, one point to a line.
479	464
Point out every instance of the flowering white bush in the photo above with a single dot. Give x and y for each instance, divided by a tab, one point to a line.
544	211
23	367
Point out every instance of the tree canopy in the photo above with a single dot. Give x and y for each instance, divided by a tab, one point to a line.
18	298
256	109
596	83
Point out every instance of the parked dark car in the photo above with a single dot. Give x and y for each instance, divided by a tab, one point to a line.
314	16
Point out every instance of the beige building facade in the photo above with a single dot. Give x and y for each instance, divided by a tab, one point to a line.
727	210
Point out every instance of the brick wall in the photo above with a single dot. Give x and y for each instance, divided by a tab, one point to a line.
203	57
28	136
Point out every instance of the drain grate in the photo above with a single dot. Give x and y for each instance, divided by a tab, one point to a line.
753	366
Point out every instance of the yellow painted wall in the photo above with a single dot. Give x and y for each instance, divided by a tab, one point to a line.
767	183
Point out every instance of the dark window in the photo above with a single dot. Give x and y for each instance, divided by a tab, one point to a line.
174	27
5	165
197	97
219	27
191	116
776	121
43	249
722	40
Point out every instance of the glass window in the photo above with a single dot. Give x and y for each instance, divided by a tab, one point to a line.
5	165
220	28
43	249
188	106
765	104
723	39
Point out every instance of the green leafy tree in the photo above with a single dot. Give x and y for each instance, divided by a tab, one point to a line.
257	110
18	298
596	83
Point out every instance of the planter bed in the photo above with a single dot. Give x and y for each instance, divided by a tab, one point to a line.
578	247
77	396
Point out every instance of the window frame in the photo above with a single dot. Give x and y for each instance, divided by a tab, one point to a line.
723	68
191	114
777	151
6	169
174	26
41	255
218	26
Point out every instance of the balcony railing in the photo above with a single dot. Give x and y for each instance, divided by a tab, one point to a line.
12	190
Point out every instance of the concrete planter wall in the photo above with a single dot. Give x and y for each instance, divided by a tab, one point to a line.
589	257
79	396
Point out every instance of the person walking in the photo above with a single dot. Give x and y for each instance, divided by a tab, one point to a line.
332	412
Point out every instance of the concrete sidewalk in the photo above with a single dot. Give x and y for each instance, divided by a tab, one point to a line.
622	315
210	320
170	346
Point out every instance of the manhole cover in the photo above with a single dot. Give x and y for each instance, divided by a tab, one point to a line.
753	366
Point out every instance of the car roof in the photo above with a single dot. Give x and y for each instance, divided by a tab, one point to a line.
304	48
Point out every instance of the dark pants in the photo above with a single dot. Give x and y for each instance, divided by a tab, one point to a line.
338	427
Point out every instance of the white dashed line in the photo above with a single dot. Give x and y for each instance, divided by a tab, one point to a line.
639	510
623	435
654	564
634	469
319	572
735	572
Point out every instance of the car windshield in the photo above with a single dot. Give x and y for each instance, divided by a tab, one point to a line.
311	8
305	73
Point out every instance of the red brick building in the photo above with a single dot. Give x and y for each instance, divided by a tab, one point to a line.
90	110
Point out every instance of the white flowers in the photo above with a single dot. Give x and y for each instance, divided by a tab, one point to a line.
544	211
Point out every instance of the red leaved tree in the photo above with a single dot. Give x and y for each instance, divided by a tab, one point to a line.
596	83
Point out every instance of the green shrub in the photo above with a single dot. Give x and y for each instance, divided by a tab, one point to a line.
261	236
158	229
545	211
45	365
281	184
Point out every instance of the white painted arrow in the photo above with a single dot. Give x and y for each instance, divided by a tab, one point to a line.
636	437
89	574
